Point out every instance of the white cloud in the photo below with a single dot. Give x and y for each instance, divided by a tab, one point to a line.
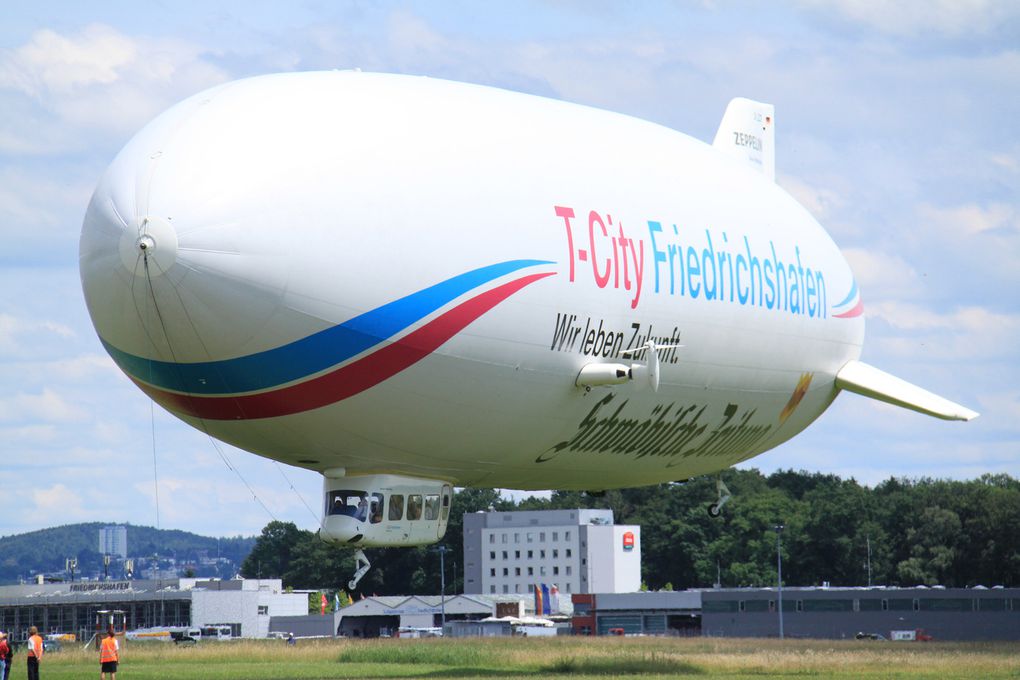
57	498
47	406
55	64
917	17
964	334
881	275
972	219
102	79
819	201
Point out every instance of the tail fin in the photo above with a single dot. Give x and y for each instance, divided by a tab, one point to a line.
748	133
868	381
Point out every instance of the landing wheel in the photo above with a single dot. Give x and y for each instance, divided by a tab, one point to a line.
714	510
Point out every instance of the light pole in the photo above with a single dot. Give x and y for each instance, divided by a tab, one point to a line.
869	561
441	549
779	563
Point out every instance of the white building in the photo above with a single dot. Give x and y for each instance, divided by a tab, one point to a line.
246	606
578	551
113	541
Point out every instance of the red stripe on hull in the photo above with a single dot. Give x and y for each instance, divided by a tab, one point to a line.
347	381
856	311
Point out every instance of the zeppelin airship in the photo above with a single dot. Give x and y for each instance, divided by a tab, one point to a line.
410	284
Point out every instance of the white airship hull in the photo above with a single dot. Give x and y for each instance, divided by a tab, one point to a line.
397	275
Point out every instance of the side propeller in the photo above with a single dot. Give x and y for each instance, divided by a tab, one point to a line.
594	375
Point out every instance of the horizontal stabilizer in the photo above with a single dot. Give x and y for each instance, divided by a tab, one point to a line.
868	381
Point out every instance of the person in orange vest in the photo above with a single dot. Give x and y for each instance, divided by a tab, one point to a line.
35	652
109	654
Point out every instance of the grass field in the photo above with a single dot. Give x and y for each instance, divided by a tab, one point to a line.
544	658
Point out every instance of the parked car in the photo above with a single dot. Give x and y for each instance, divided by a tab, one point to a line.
50	646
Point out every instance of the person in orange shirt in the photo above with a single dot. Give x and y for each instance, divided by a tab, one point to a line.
35	652
109	655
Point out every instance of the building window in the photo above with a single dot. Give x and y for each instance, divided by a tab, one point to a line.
556	571
531	537
569	552
492	554
492	589
556	536
517	586
504	555
531	571
531	554
568	572
541	536
517	571
263	610
584	561
504	539
506	589
517	554
517	538
492	572
541	554
541	571
556	553
506	572
566	535
531	587
568	585
492	538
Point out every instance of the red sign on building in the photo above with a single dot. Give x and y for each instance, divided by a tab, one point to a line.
628	541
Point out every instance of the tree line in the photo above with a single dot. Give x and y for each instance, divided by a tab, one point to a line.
900	532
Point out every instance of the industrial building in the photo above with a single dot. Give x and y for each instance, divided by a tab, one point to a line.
247	605
385	616
835	613
577	550
827	613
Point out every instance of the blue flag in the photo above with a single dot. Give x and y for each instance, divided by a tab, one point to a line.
545	600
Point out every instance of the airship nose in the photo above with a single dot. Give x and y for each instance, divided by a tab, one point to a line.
122	253
173	266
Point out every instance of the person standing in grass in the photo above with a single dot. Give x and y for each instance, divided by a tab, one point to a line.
8	658
4	649
35	652
109	655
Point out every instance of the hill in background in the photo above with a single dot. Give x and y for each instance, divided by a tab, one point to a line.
22	556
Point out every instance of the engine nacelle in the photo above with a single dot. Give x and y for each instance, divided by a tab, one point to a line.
376	511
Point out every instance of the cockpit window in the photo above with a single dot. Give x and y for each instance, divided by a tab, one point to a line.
396	507
432	506
446	505
348	503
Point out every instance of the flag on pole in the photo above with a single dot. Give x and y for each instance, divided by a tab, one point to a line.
323	603
545	600
538	600
554	599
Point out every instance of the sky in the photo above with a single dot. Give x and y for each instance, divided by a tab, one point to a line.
896	126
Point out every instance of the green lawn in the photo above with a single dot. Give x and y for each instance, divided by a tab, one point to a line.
545	658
